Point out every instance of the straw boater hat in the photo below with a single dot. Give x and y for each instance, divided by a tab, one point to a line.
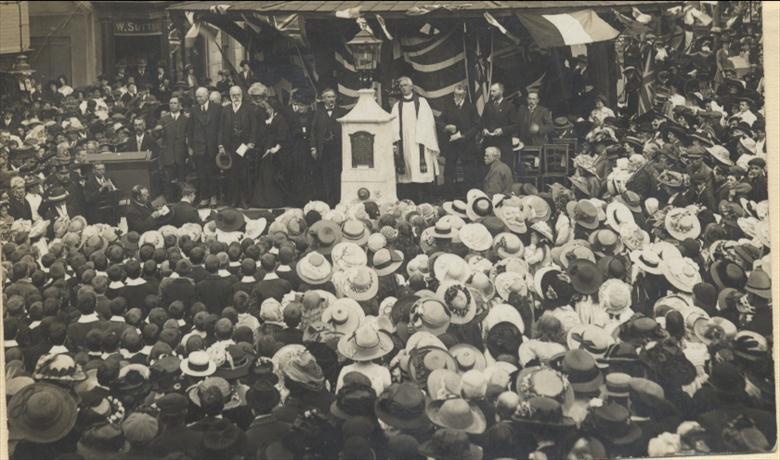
355	231
345	315
456	208
468	357
366	343
387	261
591	338
647	259
478	205
430	314
457	414
682	223
198	364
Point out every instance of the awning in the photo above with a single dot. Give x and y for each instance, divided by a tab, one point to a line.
566	29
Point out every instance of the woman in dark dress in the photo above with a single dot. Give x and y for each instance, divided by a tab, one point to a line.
270	187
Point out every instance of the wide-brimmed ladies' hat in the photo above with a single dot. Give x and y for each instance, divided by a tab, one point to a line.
508	245
605	242
613	422
430	314
302	368
682	273
476	237
347	255
618	214
468	357
198	364
360	283
344	315
324	235
314	269
366	343
459	300
615	296
633	236
452	267
586	278
584	213
648	260
514	217
444	384
506	281
591	338
681	224
457	414
58	367
41	413
387	261
581	370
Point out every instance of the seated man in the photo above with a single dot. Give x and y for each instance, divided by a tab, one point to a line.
101	196
499	177
140	214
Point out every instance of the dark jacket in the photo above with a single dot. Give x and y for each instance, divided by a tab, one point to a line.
20	209
174	139
542	117
135	294
215	292
326	130
504	116
139	218
466	120
498	179
237	127
274	288
263	431
176	439
177	289
148	143
184	213
203	130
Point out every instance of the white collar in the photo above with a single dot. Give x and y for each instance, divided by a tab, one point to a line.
57	349
248	279
90	318
174	275
146	350
10	343
117	318
283	268
223	273
234	263
271	276
116	285
236	108
35	324
205	105
135	281
127	354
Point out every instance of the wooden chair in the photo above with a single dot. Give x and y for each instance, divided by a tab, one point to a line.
528	161
556	159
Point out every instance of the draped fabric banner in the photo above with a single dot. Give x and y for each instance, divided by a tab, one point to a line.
435	63
575	28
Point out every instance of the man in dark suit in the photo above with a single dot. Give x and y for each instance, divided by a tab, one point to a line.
458	125
140	215
535	121
56	204
141	74
237	130
499	123
325	141
89	320
101	196
173	154
136	288
265	429
203	138
270	286
183	211
141	141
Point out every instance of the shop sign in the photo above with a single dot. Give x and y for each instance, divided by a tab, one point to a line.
137	27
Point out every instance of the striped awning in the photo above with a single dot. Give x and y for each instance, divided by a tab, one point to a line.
566	29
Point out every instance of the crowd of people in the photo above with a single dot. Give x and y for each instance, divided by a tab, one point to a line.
625	311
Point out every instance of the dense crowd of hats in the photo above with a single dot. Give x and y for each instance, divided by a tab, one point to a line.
629	314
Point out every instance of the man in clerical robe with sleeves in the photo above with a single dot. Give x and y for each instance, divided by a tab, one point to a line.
415	145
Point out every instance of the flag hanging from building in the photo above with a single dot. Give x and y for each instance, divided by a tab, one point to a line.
575	28
647	88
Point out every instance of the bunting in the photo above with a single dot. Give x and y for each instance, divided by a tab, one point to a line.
646	90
